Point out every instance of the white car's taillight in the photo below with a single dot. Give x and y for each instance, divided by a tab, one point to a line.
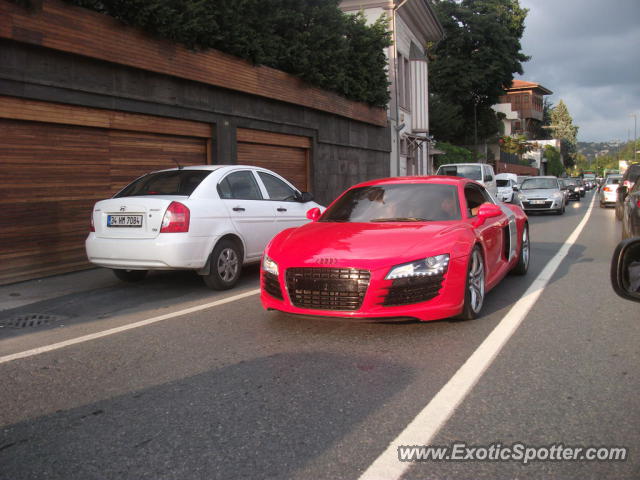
92	227
176	219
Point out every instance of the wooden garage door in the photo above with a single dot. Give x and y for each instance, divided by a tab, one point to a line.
50	177
287	155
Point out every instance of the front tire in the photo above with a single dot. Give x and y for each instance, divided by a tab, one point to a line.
475	286
130	276
225	266
522	266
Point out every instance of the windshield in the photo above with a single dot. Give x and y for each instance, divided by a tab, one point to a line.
535	183
172	182
414	202
570	181
614	180
474	172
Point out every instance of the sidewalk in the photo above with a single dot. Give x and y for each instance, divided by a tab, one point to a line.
24	293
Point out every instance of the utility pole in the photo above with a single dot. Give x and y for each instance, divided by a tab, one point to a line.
635	136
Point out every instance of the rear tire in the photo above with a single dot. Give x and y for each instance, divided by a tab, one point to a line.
522	266
130	276
474	287
225	266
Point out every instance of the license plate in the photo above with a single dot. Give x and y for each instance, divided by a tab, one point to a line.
537	202
124	220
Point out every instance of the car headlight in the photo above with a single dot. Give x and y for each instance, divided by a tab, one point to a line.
268	265
420	268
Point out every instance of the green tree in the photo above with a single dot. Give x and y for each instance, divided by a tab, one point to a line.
470	68
452	154
516	145
312	39
554	161
563	128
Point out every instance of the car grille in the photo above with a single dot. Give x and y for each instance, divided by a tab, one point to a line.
327	288
271	285
405	291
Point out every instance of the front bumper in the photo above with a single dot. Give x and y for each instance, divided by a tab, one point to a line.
167	251
448	302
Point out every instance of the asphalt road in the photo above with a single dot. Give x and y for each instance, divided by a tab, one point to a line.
234	392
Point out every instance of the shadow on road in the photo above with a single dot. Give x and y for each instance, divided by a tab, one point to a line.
263	418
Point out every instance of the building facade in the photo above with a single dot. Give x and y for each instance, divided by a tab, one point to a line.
414	25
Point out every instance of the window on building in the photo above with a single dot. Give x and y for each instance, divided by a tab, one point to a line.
404	81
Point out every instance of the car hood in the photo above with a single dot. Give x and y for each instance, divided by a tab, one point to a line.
366	243
539	192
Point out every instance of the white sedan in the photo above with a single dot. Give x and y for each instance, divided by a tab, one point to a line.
209	218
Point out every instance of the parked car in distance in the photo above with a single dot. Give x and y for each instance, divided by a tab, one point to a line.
629	179
608	192
630	211
410	247
625	269
507	184
480	172
572	191
208	218
542	194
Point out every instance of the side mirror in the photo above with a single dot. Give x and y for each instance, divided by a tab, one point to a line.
305	197
488	178
625	269
314	214
516	188
487	210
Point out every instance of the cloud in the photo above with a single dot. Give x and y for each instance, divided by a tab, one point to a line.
587	52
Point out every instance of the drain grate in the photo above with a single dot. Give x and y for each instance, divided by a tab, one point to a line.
30	320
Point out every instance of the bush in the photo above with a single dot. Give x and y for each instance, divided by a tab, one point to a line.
452	154
312	39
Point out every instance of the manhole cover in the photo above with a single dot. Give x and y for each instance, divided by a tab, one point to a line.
29	320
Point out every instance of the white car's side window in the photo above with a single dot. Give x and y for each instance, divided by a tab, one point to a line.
276	188
239	186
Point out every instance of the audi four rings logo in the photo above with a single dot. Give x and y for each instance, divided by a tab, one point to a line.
326	261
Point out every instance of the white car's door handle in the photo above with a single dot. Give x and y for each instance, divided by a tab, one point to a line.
238	209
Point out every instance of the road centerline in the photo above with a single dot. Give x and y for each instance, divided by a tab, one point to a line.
428	422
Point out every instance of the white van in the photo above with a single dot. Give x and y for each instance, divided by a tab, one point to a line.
480	172
506	183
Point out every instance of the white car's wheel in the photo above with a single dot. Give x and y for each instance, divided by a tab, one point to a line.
225	266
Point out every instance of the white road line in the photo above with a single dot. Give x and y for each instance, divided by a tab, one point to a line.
430	420
124	328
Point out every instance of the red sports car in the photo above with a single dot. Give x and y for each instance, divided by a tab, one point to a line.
412	247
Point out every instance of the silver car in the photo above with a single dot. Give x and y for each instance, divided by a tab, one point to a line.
608	193
542	194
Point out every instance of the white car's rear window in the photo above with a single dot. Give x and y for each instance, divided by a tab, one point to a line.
174	182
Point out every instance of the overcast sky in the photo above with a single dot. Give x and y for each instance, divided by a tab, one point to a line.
587	52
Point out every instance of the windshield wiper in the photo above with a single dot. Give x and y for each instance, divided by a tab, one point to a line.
400	219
